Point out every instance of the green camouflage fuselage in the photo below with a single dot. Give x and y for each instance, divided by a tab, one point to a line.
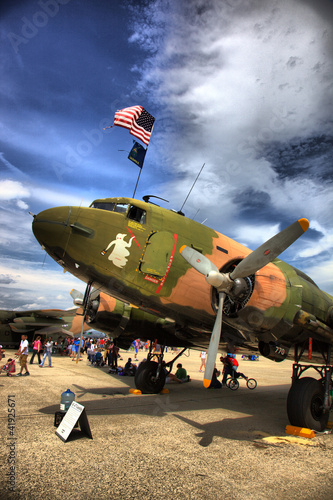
130	250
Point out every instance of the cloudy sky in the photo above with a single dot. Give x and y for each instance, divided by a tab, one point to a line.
244	86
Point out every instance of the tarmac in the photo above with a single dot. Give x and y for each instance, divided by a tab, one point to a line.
190	443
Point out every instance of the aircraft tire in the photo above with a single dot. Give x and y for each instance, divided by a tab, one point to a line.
137	378
304	404
145	379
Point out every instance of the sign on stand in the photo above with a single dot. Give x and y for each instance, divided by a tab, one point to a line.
75	413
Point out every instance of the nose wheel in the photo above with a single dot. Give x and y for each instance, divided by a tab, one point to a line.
150	375
147	378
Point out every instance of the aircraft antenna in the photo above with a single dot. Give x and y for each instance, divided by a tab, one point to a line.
197	177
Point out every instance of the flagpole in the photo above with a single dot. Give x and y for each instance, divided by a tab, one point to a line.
137	182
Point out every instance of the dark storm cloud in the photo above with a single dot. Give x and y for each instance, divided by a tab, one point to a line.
311	157
253	205
6	279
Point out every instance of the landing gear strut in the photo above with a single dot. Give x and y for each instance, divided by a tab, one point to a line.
150	376
310	400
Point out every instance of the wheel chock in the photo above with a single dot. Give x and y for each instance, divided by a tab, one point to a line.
329	425
300	431
165	391
134	391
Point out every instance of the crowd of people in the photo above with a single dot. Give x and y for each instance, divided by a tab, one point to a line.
105	352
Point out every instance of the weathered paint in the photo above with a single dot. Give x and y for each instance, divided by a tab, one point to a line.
159	280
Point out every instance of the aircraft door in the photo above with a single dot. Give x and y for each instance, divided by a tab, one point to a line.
156	258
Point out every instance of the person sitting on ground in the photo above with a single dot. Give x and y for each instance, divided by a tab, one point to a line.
215	383
180	376
9	367
181	373
129	368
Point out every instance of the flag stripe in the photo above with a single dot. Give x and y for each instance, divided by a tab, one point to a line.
125	117
139	122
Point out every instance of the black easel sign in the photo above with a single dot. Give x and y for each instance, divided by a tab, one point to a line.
75	413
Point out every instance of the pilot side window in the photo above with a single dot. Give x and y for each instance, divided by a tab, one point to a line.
121	208
137	214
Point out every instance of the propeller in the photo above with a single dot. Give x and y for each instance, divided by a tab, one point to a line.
92	305
224	282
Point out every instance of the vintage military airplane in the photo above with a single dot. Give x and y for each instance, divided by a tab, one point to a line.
153	258
45	322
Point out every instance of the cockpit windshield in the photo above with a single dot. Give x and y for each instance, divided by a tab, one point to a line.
102	205
134	213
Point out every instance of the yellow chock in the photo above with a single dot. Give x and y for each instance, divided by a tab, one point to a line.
165	391
300	431
134	391
329	425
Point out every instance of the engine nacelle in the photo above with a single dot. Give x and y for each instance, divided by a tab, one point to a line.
273	350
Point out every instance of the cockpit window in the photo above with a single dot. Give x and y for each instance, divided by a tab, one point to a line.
121	208
137	214
102	205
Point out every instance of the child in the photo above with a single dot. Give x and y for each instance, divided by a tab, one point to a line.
9	367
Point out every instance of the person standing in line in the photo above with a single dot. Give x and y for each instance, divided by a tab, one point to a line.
115	352
23	353
36	348
47	352
203	355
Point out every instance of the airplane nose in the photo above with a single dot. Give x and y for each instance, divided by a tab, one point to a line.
51	229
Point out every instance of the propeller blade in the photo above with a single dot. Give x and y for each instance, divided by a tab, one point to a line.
94	294
77	297
197	260
270	249
214	343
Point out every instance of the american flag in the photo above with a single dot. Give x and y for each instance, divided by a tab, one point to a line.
139	122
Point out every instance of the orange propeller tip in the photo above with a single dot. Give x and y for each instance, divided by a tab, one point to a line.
206	382
304	223
182	248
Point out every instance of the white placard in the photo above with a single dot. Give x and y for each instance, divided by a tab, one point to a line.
75	412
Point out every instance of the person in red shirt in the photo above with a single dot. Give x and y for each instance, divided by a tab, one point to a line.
227	367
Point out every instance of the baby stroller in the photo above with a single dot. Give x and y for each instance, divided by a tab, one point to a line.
97	359
9	367
233	383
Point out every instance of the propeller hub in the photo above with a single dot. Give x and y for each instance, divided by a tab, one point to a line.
220	281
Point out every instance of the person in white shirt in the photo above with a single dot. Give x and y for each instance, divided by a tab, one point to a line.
47	352
23	353
203	360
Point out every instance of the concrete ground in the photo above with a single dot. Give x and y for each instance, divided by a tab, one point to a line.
192	443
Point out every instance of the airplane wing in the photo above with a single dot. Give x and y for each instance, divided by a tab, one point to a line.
44	321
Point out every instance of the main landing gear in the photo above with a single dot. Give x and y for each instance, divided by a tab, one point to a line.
150	376
310	400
